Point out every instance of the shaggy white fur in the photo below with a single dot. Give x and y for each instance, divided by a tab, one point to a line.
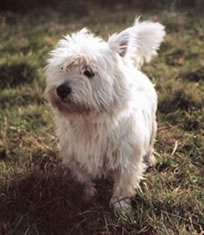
105	107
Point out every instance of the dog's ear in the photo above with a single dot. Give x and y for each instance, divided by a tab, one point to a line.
119	42
148	37
139	42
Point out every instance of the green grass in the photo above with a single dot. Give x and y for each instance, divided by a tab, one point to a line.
37	195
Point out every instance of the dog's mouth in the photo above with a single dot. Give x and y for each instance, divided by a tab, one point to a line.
68	106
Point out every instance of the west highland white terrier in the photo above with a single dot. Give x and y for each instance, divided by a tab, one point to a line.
105	107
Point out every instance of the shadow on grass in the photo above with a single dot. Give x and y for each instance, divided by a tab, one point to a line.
49	201
46	200
16	74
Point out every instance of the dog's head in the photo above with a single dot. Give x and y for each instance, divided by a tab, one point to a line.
87	74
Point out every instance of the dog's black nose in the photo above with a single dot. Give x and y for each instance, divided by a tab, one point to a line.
63	91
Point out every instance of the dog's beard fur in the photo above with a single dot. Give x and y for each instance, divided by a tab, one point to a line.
109	119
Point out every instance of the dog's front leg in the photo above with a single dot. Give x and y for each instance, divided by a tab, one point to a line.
81	175
126	181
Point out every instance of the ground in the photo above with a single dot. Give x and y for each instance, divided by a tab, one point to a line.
37	196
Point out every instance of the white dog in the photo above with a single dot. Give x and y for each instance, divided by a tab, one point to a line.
105	107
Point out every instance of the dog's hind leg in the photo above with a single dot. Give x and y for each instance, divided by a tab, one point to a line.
149	158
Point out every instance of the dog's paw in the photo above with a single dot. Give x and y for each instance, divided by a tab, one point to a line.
150	161
120	206
89	191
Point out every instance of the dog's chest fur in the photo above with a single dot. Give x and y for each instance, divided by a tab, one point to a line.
94	145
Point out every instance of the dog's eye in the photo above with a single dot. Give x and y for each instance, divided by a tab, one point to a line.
88	73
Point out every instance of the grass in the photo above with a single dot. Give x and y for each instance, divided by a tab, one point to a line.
37	195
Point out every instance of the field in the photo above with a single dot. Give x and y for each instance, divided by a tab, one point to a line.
37	196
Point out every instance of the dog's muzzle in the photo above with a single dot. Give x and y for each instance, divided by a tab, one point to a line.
63	90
